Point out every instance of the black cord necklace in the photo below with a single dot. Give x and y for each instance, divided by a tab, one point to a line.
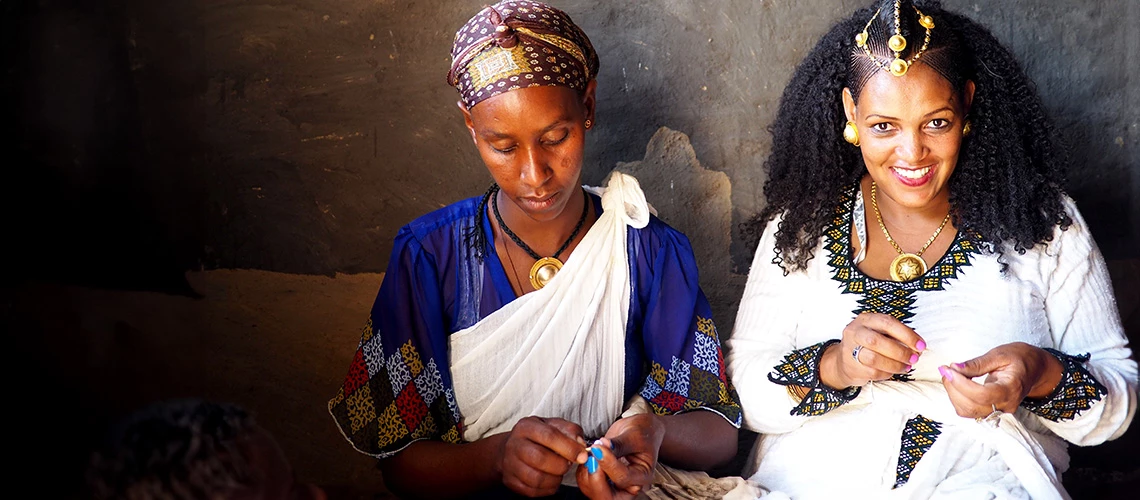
544	268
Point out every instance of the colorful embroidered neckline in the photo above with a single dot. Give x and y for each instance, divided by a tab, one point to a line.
884	296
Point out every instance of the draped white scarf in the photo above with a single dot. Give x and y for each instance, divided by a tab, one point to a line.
558	351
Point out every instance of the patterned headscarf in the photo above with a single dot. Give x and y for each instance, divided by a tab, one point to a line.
517	44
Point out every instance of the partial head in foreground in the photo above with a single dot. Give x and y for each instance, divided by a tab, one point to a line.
934	109
192	450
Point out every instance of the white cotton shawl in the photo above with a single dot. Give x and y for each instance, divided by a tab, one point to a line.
558	351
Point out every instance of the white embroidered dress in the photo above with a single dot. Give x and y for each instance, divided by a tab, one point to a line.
902	438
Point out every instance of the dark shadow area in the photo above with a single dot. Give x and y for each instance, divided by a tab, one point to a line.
78	199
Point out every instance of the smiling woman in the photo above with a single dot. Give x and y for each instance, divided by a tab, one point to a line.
513	327
948	341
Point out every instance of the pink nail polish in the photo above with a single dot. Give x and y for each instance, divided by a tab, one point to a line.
913	358
942	370
959	365
921	345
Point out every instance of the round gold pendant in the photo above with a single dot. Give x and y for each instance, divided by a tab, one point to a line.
543	271
899	67
907	266
897	43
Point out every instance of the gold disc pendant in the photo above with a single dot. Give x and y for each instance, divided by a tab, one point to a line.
906	266
543	271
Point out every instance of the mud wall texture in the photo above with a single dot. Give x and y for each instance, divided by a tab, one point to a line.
298	135
153	137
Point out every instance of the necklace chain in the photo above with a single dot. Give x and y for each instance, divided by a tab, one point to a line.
518	241
879	217
518	281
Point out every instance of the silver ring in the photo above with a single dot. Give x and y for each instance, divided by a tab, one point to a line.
855	353
993	418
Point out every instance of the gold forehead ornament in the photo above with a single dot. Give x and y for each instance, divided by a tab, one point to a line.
897	43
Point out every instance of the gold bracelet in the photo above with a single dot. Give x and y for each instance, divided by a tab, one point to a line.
797	393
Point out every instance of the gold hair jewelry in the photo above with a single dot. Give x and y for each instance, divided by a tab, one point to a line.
897	43
966	128
589	123
850	133
906	266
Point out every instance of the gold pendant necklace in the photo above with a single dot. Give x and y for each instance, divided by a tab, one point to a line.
544	268
907	266
543	271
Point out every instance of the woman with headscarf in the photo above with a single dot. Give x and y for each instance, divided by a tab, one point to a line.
512	330
927	315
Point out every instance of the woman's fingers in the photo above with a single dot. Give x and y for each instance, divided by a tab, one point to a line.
972	399
632	475
879	356
561	437
573	431
594	485
538	453
963	405
883	367
523	469
895	329
531	483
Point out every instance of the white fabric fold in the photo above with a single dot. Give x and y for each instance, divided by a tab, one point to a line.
558	351
1006	436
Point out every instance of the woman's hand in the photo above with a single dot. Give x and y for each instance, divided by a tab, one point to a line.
1013	372
626	458
889	348
538	452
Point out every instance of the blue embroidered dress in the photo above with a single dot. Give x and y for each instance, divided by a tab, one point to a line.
399	389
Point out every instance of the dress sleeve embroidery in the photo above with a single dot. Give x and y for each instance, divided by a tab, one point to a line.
701	383
801	367
389	401
1076	392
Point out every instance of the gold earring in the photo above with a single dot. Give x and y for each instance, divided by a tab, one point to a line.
966	129
850	133
589	123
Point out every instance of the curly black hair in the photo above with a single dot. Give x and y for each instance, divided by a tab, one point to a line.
1007	185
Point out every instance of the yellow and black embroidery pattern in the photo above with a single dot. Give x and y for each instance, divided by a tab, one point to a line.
917	438
801	367
1076	392
888	297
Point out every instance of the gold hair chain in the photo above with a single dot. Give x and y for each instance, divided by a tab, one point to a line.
897	43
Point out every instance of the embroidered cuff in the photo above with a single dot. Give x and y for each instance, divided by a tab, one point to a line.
801	368
1076	392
